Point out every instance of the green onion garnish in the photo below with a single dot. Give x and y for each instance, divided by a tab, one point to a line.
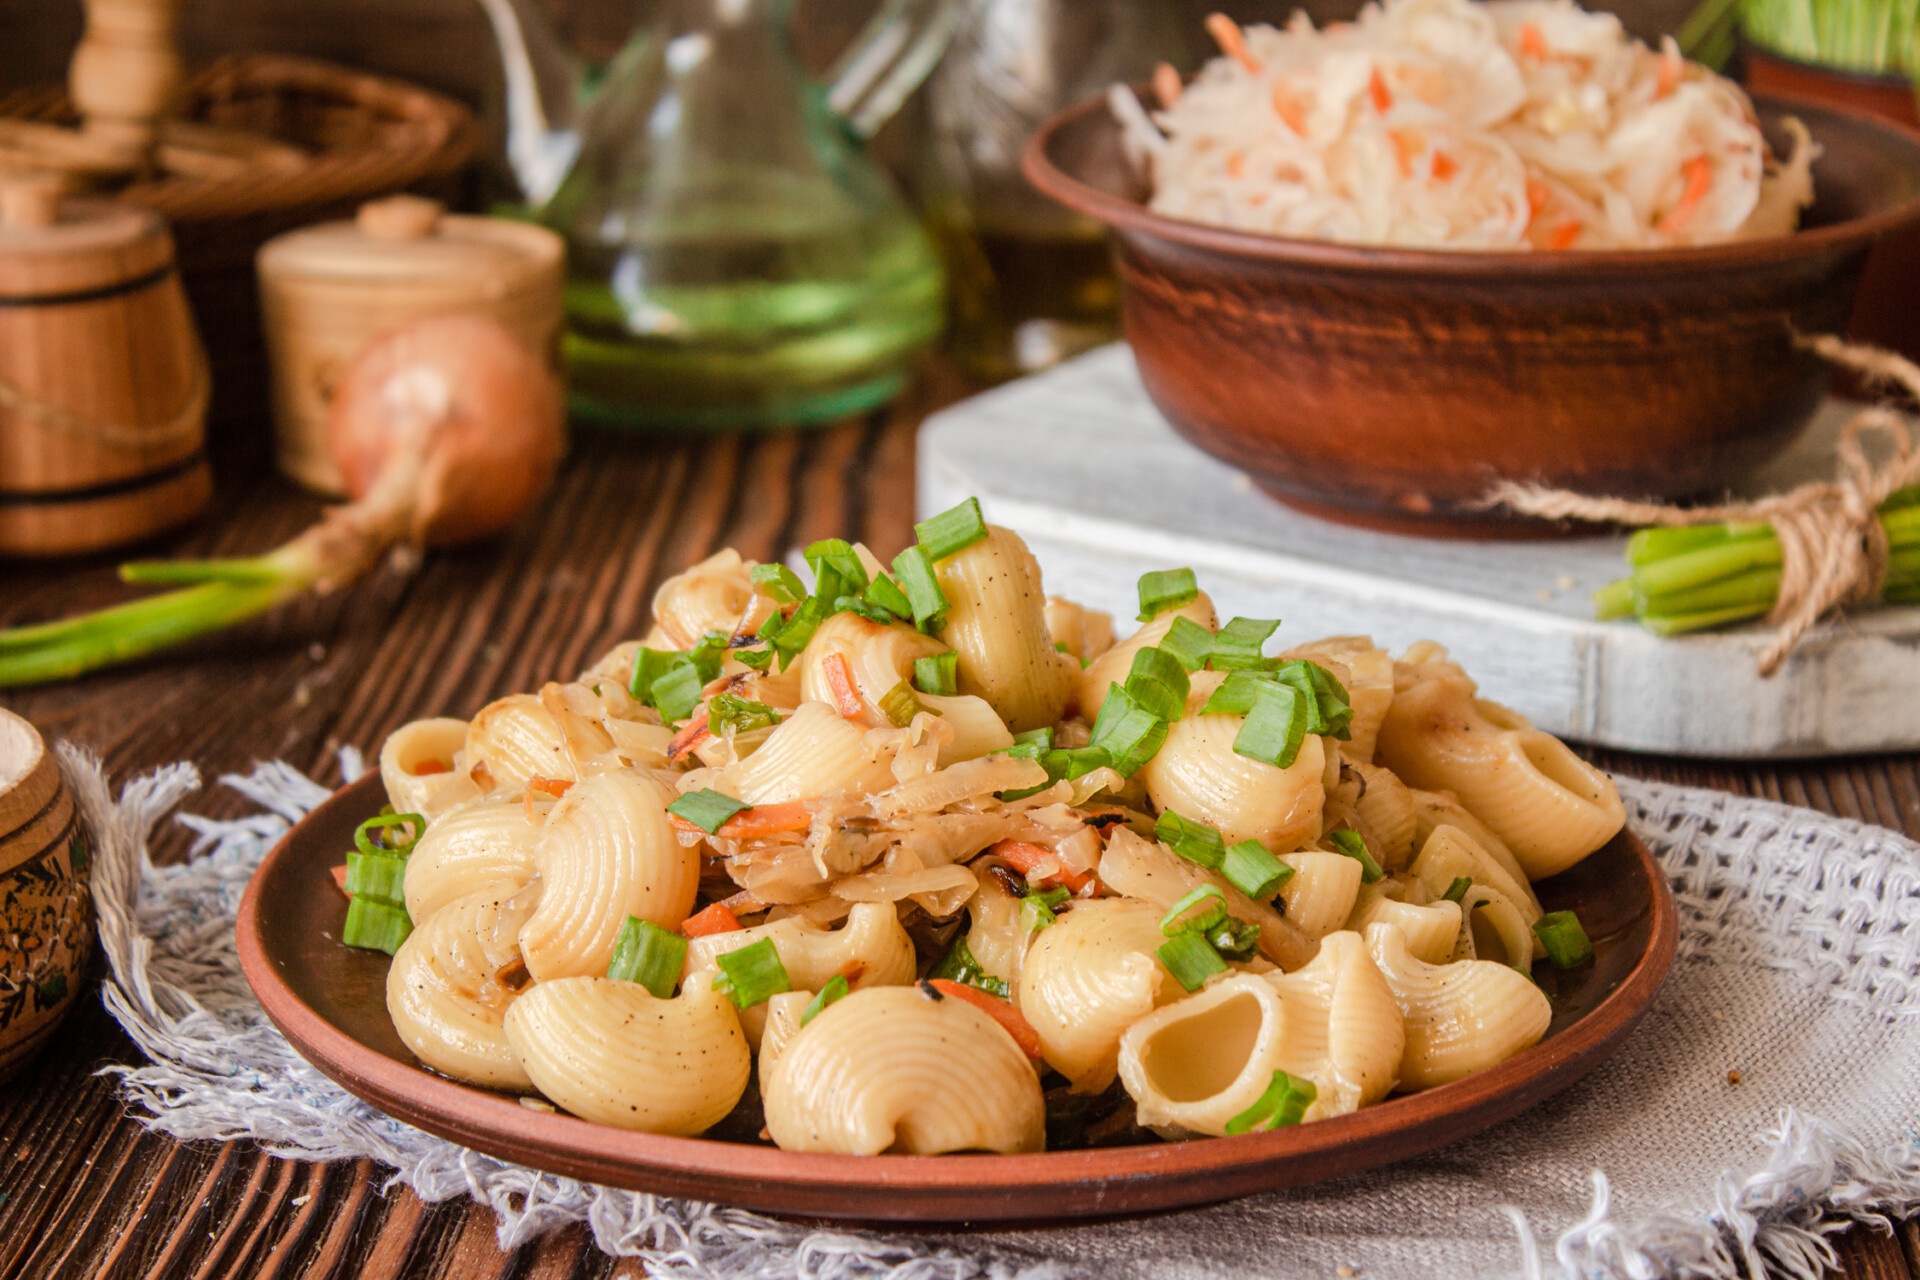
378	834
775	623
778	583
938	675
885	593
958	965
1251	869
915	573
1237	693
731	712
1194	841
836	988
1032	744
1348	841
1199	910
1127	731
1457	891
1283	1105
1236	646
1191	959
1235	939
1188	643
861	605
648	955
649	665
375	926
752	974
1074	762
759	659
899	705
1165	589
381	877
1331	698
1159	684
837	570
1275	728
707	810
1565	941
707	654
1036	913
677	693
797	631
950	531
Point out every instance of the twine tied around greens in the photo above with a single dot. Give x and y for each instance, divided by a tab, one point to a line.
1833	550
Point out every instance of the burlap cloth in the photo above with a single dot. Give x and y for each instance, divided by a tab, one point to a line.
1799	968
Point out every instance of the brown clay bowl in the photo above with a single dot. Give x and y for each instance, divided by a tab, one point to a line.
330	1001
1391	387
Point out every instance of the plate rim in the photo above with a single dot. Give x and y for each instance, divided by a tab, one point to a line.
944	1188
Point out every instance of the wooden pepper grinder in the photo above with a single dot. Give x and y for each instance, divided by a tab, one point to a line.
126	73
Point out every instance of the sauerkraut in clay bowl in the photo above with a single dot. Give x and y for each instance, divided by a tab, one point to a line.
1381	264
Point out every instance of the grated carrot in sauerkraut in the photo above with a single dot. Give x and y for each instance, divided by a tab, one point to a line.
1452	124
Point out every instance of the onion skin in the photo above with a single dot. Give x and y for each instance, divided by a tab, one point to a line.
463	399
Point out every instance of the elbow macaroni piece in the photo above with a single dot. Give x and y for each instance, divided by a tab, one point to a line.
1086	979
1547	805
607	852
711	596
512	741
417	760
1198	775
870	950
897	1069
482	848
780	1023
1116	663
814	752
614	1053
1460	1018
445	995
997	623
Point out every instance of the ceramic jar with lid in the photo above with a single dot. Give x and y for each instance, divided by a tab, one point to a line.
327	291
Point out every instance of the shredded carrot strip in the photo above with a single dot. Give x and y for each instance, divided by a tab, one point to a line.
1407	145
1444	166
846	695
1288	108
1378	91
689	738
1699	174
427	768
994	1007
1166	84
715	919
1564	236
766	820
1533	42
1226	33
339	875
1024	857
537	785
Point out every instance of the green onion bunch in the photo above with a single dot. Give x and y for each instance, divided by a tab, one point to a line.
1880	37
1700	576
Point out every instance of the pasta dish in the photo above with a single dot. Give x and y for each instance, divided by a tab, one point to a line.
1513	124
944	866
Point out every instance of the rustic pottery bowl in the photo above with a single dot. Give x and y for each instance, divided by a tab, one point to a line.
46	916
1391	387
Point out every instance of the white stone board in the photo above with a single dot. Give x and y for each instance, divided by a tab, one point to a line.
1082	465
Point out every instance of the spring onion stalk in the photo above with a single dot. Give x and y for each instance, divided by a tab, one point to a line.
1873	36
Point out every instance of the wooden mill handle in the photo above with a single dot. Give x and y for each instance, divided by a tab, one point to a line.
126	71
30	201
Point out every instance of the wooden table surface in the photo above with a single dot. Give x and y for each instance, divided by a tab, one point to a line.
85	1190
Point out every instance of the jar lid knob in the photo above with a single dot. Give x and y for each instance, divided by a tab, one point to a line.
400	217
30	200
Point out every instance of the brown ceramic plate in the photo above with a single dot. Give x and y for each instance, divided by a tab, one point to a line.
331	1003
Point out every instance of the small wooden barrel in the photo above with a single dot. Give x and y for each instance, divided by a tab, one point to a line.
103	384
327	291
46	913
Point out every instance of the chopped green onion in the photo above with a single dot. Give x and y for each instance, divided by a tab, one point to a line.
1236	646
648	955
708	653
1565	941
836	988
1199	910
1194	841
837	570
1191	959
731	712
1188	643
1165	589
1275	728
778	583
797	631
375	834
375	926
1040	739
1348	841
1235	939
758	659
775	623
1036	913
915	573
649	665
1051	897
677	693
752	974
1457	891
381	877
958	965
1159	683
706	809
1075	762
951	531
1237	693
859	604
1128	732
899	705
938	675
1282	1106
1250	868
886	594
1330	696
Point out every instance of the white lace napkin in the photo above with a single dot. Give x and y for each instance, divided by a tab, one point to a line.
1799	969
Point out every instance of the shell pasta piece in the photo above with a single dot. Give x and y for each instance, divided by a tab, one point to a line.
482	848
997	623
1198	775
814	752
1321	894
1460	1018
903	1069
1089	977
447	996
512	741
871	949
1116	661
417	759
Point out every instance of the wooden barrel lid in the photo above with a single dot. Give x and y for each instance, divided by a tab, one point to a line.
405	240
29	779
54	249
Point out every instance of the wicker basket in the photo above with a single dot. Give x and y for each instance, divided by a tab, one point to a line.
363	136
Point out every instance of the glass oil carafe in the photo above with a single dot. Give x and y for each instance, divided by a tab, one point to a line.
734	259
1031	282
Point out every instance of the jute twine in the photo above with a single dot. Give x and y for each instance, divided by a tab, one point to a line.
1833	550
